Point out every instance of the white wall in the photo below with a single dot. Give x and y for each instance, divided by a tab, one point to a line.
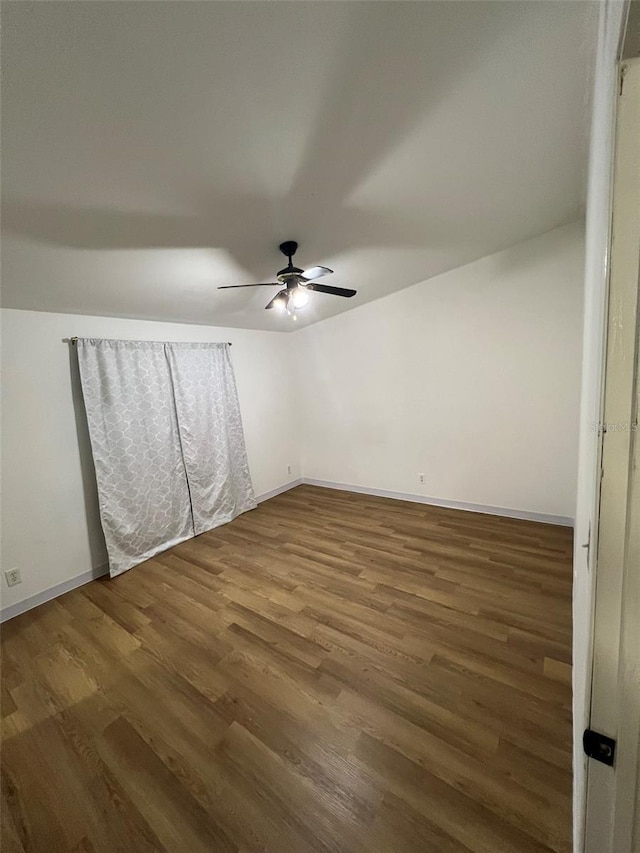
51	527
471	378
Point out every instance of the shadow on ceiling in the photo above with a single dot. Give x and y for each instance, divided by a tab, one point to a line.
398	85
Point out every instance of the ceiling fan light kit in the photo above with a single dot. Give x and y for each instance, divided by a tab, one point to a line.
297	283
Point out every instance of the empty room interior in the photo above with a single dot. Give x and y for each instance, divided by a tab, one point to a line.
304	343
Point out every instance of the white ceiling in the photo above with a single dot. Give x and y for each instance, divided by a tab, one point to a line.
153	151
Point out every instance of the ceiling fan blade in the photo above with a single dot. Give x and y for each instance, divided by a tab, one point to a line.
261	284
279	297
334	291
315	272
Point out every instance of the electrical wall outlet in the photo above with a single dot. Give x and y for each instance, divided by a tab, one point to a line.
13	577
288	469
421	479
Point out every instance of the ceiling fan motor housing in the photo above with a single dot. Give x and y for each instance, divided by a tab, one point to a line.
289	275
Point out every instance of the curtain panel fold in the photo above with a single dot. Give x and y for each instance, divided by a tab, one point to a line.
167	443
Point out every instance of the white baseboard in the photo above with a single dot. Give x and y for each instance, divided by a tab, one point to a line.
53	592
66	586
526	515
279	490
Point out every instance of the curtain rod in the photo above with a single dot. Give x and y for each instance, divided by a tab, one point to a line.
74	340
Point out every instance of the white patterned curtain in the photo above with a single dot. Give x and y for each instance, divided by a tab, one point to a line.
167	442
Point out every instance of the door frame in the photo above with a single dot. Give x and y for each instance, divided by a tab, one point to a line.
611	792
611	690
612	18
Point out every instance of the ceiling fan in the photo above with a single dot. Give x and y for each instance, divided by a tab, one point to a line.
297	283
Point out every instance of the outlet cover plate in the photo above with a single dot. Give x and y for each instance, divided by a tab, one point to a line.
13	577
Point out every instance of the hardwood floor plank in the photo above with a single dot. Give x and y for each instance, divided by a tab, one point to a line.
401	828
481	830
176	817
329	673
316	815
458	770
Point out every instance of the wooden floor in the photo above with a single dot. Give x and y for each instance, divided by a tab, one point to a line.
329	672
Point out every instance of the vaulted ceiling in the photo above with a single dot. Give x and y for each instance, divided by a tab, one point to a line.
153	151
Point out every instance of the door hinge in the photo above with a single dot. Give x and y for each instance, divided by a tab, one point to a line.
599	746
